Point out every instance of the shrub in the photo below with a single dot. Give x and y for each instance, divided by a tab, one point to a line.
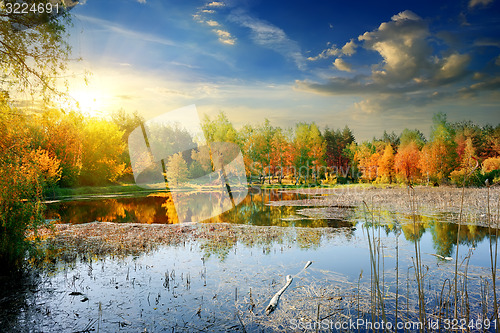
20	192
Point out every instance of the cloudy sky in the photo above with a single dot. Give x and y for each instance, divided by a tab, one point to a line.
372	67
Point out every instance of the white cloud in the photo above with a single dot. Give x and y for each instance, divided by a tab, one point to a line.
403	45
453	66
212	23
474	3
406	15
327	53
215	4
225	37
341	65
410	72
270	36
349	48
141	1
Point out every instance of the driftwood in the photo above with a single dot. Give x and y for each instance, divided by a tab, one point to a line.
441	257
274	301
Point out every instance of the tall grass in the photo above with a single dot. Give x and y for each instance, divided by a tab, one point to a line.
493	253
458	297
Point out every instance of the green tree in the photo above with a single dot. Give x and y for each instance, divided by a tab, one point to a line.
392	139
438	157
337	157
126	122
220	129
408	136
177	169
33	50
311	148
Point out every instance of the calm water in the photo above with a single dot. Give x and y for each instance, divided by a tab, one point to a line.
199	286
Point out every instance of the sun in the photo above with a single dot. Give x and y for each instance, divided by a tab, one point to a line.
88	101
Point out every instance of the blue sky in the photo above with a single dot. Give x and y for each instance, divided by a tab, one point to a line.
370	66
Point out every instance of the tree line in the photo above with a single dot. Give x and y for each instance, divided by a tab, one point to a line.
454	152
69	149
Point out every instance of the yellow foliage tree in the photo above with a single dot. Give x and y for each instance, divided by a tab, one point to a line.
102	148
385	171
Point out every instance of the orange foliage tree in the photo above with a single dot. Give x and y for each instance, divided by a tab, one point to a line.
437	160
407	162
385	171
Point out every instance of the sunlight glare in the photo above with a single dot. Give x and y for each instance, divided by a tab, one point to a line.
90	102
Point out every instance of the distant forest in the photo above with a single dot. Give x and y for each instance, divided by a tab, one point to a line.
66	149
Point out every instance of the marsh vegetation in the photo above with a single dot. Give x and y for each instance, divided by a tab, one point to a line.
374	259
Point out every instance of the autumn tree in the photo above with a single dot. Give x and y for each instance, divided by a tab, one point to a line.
310	147
491	169
48	168
491	164
366	163
20	188
385	172
468	167
33	52
407	161
61	135
102	147
438	157
491	137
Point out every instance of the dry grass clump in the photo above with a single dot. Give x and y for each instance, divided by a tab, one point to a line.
66	242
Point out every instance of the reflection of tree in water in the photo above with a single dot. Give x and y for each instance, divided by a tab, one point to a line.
18	302
136	210
444	236
254	210
220	244
413	231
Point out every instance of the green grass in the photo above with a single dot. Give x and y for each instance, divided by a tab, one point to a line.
90	190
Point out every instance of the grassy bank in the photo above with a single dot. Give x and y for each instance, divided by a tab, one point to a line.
59	193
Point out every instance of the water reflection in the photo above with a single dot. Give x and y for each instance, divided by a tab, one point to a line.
255	209
159	208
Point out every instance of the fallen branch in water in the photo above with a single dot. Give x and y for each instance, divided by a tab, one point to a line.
274	301
441	257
